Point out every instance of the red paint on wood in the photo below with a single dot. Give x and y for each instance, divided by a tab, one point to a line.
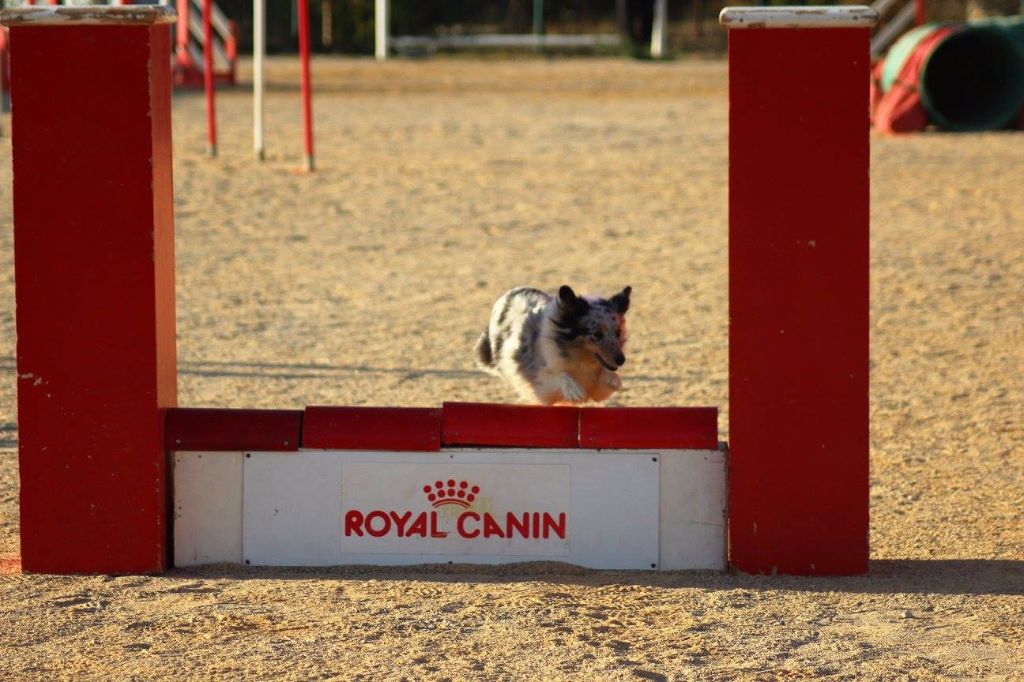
373	428
509	425
232	430
208	82
798	300
94	266
679	428
305	84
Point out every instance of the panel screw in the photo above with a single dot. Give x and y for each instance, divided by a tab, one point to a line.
248	455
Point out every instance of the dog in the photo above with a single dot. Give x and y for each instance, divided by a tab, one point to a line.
556	349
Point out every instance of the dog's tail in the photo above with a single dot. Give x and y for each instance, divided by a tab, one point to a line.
484	356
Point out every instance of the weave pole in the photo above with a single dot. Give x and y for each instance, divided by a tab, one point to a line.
94	268
259	50
798	288
307	87
209	86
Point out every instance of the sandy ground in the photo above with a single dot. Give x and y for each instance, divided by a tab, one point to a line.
443	183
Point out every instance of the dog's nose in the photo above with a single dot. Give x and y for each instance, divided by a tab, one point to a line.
620	359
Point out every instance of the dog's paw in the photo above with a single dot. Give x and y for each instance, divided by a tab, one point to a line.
612	381
571	390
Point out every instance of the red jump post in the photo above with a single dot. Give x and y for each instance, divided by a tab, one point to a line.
94	264
798	288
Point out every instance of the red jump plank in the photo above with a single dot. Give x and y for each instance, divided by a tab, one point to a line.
223	429
373	428
678	428
510	425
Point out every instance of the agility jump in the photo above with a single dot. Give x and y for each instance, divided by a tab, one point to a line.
99	424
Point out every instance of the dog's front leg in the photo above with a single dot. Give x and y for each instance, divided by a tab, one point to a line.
571	390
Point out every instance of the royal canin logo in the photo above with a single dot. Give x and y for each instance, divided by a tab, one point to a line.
461	495
469	524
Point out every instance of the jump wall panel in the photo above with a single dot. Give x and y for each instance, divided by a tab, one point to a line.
642	509
94	264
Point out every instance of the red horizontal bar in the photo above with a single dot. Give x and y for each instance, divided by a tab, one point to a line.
678	428
509	425
373	428
223	429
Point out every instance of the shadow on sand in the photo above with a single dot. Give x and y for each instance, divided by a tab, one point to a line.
911	576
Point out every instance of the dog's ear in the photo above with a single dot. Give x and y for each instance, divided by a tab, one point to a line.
570	302
620	301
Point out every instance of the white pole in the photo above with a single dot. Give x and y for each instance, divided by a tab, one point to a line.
381	26
259	48
658	30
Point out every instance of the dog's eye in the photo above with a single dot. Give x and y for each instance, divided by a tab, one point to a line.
598	336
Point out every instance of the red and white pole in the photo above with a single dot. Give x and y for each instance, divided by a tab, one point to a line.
307	103
4	104
208	83
798	288
94	283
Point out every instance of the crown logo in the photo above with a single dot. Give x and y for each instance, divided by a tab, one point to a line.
451	492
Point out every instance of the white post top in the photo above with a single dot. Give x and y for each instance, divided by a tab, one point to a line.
843	16
61	15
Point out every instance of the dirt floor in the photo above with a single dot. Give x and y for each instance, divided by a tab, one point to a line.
443	183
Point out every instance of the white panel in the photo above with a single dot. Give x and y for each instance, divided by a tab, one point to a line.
207	508
693	509
295	507
292	509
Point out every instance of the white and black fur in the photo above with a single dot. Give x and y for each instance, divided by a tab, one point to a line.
554	349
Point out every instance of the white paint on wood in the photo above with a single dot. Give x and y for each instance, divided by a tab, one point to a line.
207	508
623	509
693	509
292	509
295	506
844	16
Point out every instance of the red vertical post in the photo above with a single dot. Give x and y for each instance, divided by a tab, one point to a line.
94	283
307	103
919	12
208	82
182	58
798	289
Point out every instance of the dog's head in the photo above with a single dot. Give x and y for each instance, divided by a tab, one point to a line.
597	325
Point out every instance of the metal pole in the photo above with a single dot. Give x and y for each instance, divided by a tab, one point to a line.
381	28
211	105
307	105
538	18
658	32
259	49
326	24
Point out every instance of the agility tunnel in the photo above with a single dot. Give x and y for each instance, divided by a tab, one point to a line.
957	77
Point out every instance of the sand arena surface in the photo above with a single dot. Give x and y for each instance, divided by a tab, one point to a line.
443	183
